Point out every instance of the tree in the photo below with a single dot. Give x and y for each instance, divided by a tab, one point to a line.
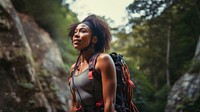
168	35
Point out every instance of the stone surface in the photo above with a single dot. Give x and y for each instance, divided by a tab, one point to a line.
32	77
187	87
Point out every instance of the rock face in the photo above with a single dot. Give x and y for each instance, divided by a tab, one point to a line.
32	77
186	89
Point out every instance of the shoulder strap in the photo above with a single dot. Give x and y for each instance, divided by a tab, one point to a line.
92	61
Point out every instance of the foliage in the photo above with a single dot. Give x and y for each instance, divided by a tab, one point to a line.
146	46
188	105
148	8
143	88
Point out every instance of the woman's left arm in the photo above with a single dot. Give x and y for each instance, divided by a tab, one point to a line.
106	66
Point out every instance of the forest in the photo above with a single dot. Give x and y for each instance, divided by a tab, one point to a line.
159	48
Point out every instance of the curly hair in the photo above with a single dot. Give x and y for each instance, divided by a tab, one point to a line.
101	30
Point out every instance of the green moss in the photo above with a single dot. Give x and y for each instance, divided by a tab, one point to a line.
26	85
23	52
30	103
195	67
45	73
54	87
188	105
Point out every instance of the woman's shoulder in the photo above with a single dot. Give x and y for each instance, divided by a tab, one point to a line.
104	59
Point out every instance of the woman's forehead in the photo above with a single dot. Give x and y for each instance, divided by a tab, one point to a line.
82	25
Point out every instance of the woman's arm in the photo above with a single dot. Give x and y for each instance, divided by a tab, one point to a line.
106	66
73	103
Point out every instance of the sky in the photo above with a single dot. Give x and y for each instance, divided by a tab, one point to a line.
113	9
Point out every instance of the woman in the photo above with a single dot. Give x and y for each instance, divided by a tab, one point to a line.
91	37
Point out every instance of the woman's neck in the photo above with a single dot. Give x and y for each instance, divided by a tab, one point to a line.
86	55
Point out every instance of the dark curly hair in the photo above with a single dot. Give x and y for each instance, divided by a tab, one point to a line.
101	30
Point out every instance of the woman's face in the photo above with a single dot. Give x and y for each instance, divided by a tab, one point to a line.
82	35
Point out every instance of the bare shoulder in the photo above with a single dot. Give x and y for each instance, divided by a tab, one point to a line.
104	60
104	57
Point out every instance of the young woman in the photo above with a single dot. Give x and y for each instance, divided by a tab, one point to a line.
91	38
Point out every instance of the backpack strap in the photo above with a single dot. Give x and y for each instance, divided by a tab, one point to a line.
92	63
91	74
133	107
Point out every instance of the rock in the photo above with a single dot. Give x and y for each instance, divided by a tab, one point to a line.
187	88
32	77
49	64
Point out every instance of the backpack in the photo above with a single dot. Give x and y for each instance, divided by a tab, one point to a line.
125	86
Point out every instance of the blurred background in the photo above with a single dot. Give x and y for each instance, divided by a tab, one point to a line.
159	39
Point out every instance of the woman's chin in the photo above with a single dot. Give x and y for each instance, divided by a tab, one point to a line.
77	48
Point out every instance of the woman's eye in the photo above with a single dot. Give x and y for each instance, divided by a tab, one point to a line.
83	30
75	31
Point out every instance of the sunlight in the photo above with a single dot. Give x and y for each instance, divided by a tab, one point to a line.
116	11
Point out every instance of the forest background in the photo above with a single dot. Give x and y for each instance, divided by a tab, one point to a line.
159	49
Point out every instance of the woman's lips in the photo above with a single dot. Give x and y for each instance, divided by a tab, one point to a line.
76	41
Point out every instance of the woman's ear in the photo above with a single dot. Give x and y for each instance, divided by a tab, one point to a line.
94	40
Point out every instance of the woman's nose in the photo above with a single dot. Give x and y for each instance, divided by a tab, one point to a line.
76	34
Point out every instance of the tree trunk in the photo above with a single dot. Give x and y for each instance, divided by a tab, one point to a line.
168	54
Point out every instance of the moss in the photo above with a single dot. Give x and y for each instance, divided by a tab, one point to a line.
21	54
28	56
45	73
195	67
26	85
54	87
188	105
30	103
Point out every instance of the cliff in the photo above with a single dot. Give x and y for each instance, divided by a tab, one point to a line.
32	76
185	93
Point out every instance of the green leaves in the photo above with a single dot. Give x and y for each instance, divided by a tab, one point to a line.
163	24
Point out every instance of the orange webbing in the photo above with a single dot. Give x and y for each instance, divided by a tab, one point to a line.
134	108
129	83
130	86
